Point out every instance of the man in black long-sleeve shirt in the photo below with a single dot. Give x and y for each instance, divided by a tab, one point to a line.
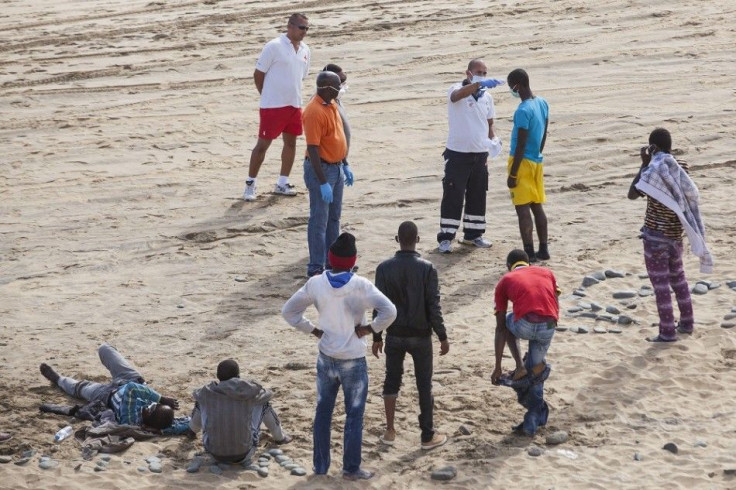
412	286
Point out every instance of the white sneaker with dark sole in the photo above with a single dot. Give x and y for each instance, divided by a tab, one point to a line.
249	194
285	190
479	242
445	247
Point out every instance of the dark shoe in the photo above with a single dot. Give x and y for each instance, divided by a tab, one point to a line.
681	329
49	373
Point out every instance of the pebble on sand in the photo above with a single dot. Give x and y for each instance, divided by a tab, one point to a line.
728	325
299	471
47	464
275	452
613	274
595	306
578	329
671	447
263	472
5	459
625	320
215	469
535	451
624	294
700	288
590	281
557	437
612	310
614	330
599	330
600	275
155	467
445	473
637	457
465	430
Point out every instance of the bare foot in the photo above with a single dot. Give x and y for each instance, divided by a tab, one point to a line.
388	437
518	374
49	373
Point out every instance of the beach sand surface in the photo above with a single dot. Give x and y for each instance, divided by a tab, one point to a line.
126	133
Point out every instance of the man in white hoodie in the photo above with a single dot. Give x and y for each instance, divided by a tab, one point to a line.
230	411
341	298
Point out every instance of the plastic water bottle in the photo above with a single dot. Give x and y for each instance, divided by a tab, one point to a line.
63	433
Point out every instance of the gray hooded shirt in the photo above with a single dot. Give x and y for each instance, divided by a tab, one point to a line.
224	411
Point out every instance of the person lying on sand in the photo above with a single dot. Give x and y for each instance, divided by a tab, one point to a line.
130	399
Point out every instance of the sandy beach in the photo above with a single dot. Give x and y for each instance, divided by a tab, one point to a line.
126	133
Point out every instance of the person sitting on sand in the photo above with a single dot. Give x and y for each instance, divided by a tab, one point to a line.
230	412
130	399
533	292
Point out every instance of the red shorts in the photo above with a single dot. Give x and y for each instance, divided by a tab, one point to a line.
279	120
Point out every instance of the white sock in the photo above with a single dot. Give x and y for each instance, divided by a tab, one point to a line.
283	181
250	179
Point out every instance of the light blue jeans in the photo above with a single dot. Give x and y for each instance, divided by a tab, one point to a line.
352	374
120	369
324	219
539	336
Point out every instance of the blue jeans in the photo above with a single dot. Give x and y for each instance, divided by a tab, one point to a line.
324	219
352	374
539	336
120	369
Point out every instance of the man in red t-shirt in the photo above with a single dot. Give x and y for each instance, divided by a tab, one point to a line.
533	292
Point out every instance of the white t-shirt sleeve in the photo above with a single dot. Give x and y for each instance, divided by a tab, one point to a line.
265	60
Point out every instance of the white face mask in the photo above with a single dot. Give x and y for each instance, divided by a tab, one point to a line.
477	79
343	90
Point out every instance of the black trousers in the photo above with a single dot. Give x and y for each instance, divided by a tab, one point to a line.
465	181
420	349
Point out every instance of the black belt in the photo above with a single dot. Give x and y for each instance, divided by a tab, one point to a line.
326	162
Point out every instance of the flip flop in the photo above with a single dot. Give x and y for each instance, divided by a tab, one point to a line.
659	338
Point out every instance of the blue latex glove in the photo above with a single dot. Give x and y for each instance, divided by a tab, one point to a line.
326	190
491	83
349	178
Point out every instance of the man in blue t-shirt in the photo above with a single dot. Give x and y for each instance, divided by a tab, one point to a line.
525	168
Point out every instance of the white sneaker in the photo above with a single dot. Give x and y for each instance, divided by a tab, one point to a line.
250	191
445	247
479	242
285	190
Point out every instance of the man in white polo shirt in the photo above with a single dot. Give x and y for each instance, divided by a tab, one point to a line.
470	114
280	69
